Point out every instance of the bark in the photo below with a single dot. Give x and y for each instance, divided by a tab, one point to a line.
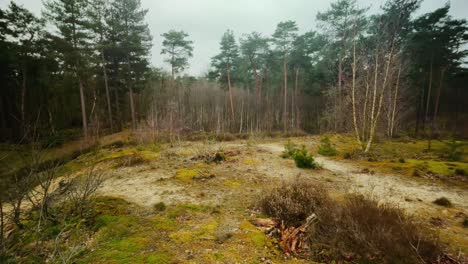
437	101
374	99
364	110
419	112
285	102
23	100
117	109
428	99
2	228
395	99
377	113
106	84
295	107
353	98
130	94
132	106
230	91
83	108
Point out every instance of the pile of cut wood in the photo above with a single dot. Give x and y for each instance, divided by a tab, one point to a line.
291	239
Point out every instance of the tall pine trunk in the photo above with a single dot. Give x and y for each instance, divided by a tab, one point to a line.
106	84
228	68
285	99
23	101
83	108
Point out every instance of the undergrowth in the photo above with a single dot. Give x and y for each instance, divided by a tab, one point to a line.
301	156
358	229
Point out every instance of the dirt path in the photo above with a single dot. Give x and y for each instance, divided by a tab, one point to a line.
405	192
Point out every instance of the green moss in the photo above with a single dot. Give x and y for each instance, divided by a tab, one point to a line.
159	258
191	207
185	174
164	223
232	184
182	236
258	239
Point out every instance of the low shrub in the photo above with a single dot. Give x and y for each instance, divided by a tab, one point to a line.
304	159
293	201
326	148
219	157
347	155
465	222
460	172
452	153
359	229
443	202
301	156
289	150
159	207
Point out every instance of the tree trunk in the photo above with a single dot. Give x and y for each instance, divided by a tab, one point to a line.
132	106
23	101
117	110
428	100
392	121
295	104
83	108
338	95
106	84
130	94
230	91
2	228
437	101
285	101
419	112
353	97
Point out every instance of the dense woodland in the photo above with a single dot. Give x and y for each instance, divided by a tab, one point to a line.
85	65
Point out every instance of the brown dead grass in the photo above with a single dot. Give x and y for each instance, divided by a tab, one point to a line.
357	229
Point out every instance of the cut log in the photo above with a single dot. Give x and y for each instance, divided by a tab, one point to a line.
265	222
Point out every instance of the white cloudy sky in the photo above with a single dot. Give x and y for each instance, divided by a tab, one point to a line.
206	20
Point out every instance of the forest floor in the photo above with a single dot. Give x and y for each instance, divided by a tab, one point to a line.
192	211
163	203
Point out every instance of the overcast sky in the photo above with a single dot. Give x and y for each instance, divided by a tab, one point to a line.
207	20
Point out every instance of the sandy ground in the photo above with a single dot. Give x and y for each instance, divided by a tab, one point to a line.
403	191
237	181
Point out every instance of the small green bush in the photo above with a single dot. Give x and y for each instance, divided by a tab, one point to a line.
219	157
159	207
465	222
326	148
452	152
401	160
304	159
289	150
443	202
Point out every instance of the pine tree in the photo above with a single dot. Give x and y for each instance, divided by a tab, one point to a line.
225	62
73	35
178	49
132	44
284	36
